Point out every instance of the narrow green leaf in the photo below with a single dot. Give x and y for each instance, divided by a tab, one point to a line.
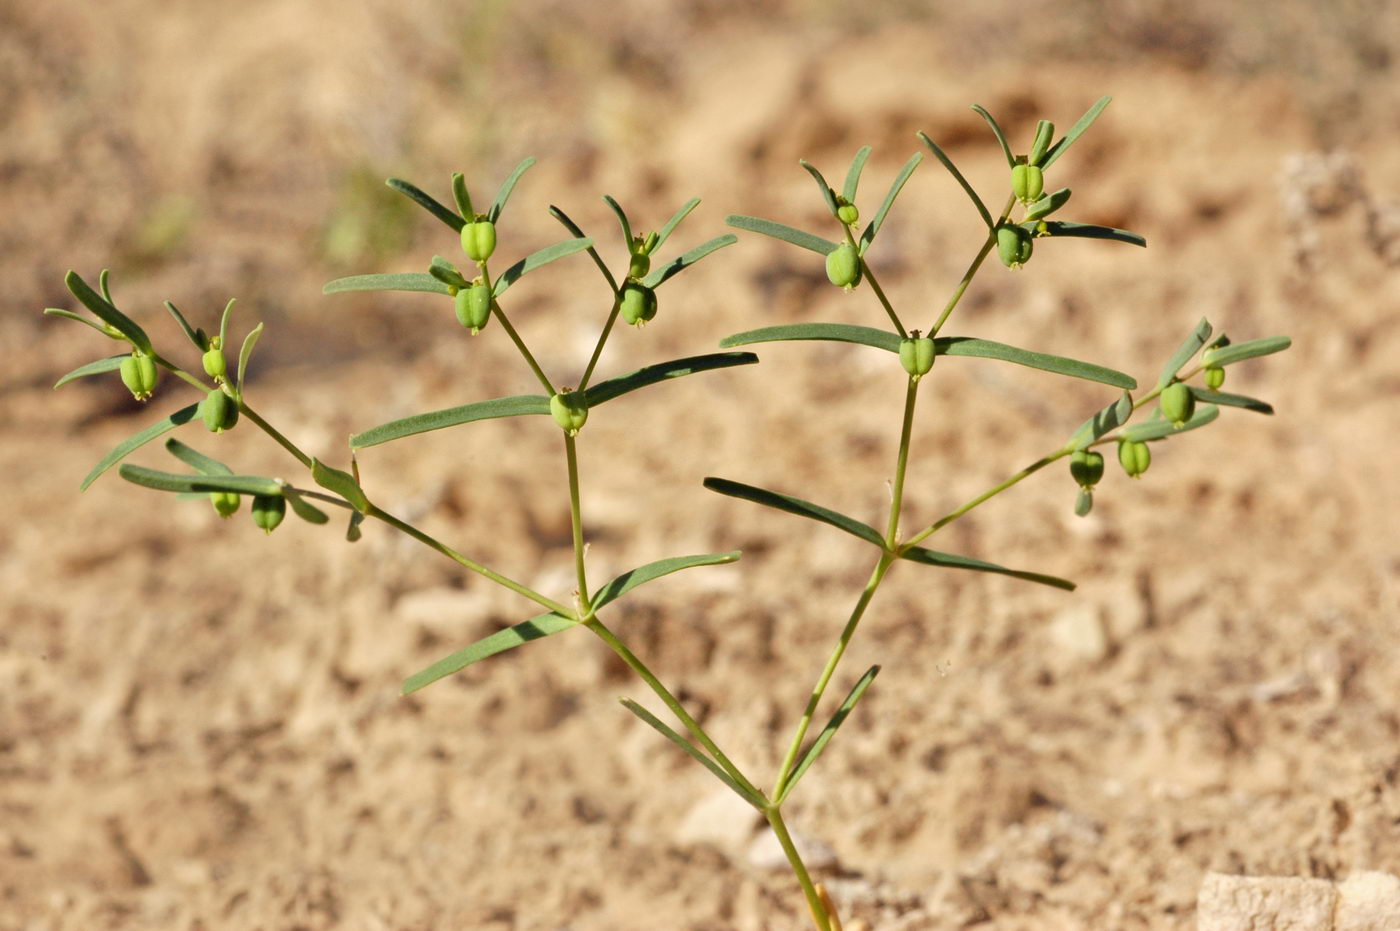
1238	352
183	416
1066	229
542	625
436	420
1158	429
958	176
503	194
660	276
796	506
104	282
828	194
1189	348
655	570
996	131
69	315
427	203
873	228
1075	132
461	196
246	352
693	750
173	481
829	731
621	218
109	364
190	332
223	324
839	332
848	190
536	259
404	281
779	231
948	561
303	508
1110	418
986	349
1206	396
675	220
662	371
106	312
573	227
205	465
340	482
1048	204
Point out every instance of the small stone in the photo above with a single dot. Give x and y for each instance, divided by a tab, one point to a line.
721	819
1079	635
1370	901
1265	903
766	853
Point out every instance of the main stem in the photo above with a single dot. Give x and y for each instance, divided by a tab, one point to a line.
972	269
576	518
814	901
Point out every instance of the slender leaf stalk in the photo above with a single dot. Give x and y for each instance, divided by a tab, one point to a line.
602	340
875	286
515	337
273	432
987	495
814	899
967	277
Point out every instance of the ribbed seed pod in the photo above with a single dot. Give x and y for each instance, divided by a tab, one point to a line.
479	239
268	511
1086	467
1134	457
139	374
570	410
1215	377
225	503
1177	403
846	212
1014	245
473	305
916	354
215	365
843	266
1027	183
637	303
219	411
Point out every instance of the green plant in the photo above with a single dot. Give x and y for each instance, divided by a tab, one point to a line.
475	294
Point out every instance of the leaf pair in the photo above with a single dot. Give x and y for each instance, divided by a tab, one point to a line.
459	193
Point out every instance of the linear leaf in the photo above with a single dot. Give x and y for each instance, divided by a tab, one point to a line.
996	131
839	332
676	368
69	315
513	406
402	281
183	416
796	506
223	322
303	508
1075	132
1207	396
109	364
829	731
1110	418
573	227
246	352
1238	352
1065	228
503	194
461	196
1157	429
873	228
958	176
1048	204
663	274
537	627
694	751
205	465
621	218
655	570
929	557
536	259
106	312
675	220
342	483
1197	338
987	349
848	190
828	194
191	333
427	203
174	481
780	231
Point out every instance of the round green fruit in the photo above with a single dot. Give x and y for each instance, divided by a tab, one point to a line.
139	374
268	511
479	239
1134	456
1177	403
215	365
473	304
1027	183
1215	377
916	355
843	266
225	503
219	411
1014	245
570	410
1086	467
847	213
637	303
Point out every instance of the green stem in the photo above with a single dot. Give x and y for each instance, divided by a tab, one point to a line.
992	492
576	517
272	431
875	286
671	702
602	340
474	566
897	491
972	269
814	901
524	350
178	372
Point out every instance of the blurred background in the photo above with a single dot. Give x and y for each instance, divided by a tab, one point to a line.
199	726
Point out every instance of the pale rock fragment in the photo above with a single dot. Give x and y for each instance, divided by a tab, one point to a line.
1370	901
1265	903
1079	636
766	853
721	819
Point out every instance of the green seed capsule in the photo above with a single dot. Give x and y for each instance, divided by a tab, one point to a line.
1134	456
219	410
638	303
479	239
215	365
139	375
268	511
847	212
1027	183
1044	135
1084	503
1086	467
473	305
916	355
570	410
638	265
225	503
843	266
1177	403
1215	377
1014	245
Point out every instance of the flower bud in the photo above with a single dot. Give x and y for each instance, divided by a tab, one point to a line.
139	375
637	302
1027	183
1215	377
1134	456
846	211
268	511
1177	403
219	410
473	304
215	365
1086	467
479	239
843	266
1014	245
225	503
570	410
916	355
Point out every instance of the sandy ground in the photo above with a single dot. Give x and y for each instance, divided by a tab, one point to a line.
200	726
